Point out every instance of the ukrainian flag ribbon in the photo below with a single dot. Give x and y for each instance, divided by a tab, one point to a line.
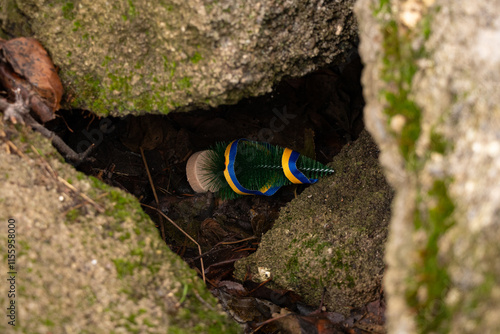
292	173
230	175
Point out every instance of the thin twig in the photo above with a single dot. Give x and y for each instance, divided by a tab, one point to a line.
14	147
7	148
149	175
203	301
222	263
245	249
236	242
58	143
184	232
19	112
67	126
260	285
79	205
268	321
154	191
47	166
82	195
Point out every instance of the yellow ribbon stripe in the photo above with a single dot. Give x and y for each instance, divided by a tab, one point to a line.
286	167
226	171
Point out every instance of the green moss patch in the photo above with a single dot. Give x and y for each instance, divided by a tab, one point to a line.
430	278
400	65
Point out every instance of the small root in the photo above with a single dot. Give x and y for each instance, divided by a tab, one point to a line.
18	112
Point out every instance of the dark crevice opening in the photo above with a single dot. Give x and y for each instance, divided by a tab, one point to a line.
325	106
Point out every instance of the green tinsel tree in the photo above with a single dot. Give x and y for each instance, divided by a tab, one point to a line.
256	166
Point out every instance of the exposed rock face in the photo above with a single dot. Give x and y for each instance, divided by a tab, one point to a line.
332	236
436	66
121	56
87	258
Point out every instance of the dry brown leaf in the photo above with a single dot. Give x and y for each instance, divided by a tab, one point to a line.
30	61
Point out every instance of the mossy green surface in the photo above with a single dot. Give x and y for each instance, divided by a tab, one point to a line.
400	65
429	280
332	236
119	57
86	269
443	247
430	274
432	279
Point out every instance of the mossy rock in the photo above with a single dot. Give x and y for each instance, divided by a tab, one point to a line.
88	260
123	57
432	105
332	236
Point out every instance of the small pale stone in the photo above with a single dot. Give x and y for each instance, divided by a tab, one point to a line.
397	123
411	14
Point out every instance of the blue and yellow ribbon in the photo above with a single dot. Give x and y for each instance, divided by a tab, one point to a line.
230	175
289	165
292	173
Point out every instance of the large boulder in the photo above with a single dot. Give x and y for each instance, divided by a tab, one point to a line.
153	56
86	258
433	106
331	238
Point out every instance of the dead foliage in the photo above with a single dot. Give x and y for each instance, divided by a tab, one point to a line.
27	67
30	83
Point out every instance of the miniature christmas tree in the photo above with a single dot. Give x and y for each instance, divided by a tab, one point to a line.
245	167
